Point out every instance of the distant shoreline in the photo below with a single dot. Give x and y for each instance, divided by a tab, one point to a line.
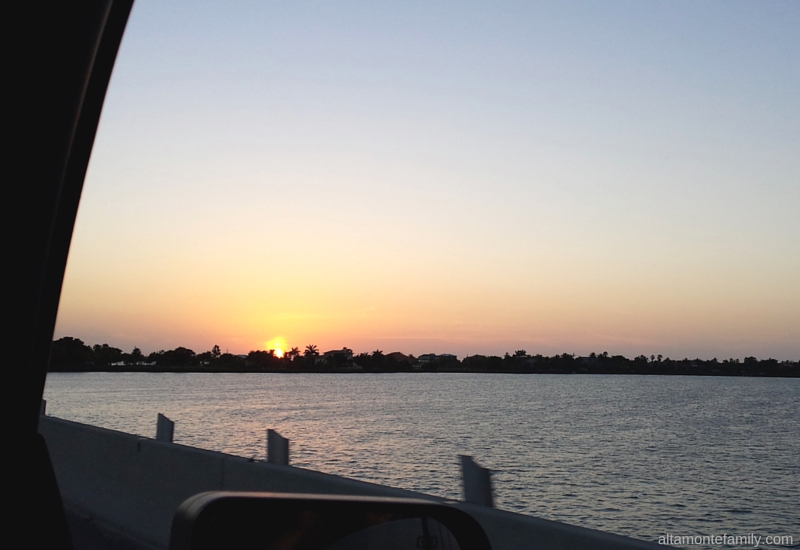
785	373
70	354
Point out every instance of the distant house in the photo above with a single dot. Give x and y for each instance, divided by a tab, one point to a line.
430	357
338	354
401	360
339	358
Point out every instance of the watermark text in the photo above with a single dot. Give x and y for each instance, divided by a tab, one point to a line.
725	539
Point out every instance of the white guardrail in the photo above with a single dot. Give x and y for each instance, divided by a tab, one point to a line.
134	484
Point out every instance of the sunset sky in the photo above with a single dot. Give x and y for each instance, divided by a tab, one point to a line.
447	177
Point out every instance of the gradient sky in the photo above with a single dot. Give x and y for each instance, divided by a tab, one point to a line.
453	177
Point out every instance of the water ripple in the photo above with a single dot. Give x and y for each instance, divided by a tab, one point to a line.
641	456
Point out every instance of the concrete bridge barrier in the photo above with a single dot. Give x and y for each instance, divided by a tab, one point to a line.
135	484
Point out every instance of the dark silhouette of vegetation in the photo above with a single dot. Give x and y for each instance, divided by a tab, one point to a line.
72	355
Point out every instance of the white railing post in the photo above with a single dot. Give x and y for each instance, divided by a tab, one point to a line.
477	482
277	448
165	428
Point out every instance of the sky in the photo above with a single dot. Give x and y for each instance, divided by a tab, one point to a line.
446	177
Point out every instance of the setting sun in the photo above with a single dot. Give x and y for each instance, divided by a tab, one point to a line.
278	344
433	212
525	252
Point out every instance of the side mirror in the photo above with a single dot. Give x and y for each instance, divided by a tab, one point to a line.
284	521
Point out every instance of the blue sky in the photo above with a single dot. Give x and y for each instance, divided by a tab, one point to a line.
447	177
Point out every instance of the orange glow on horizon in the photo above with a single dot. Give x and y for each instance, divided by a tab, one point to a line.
278	345
440	222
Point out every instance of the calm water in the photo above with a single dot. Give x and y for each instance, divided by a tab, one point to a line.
642	456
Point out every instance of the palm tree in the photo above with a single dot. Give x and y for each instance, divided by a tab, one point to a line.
311	351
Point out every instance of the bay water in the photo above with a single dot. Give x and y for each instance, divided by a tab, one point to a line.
643	456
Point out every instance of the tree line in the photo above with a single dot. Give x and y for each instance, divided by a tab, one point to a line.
70	354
